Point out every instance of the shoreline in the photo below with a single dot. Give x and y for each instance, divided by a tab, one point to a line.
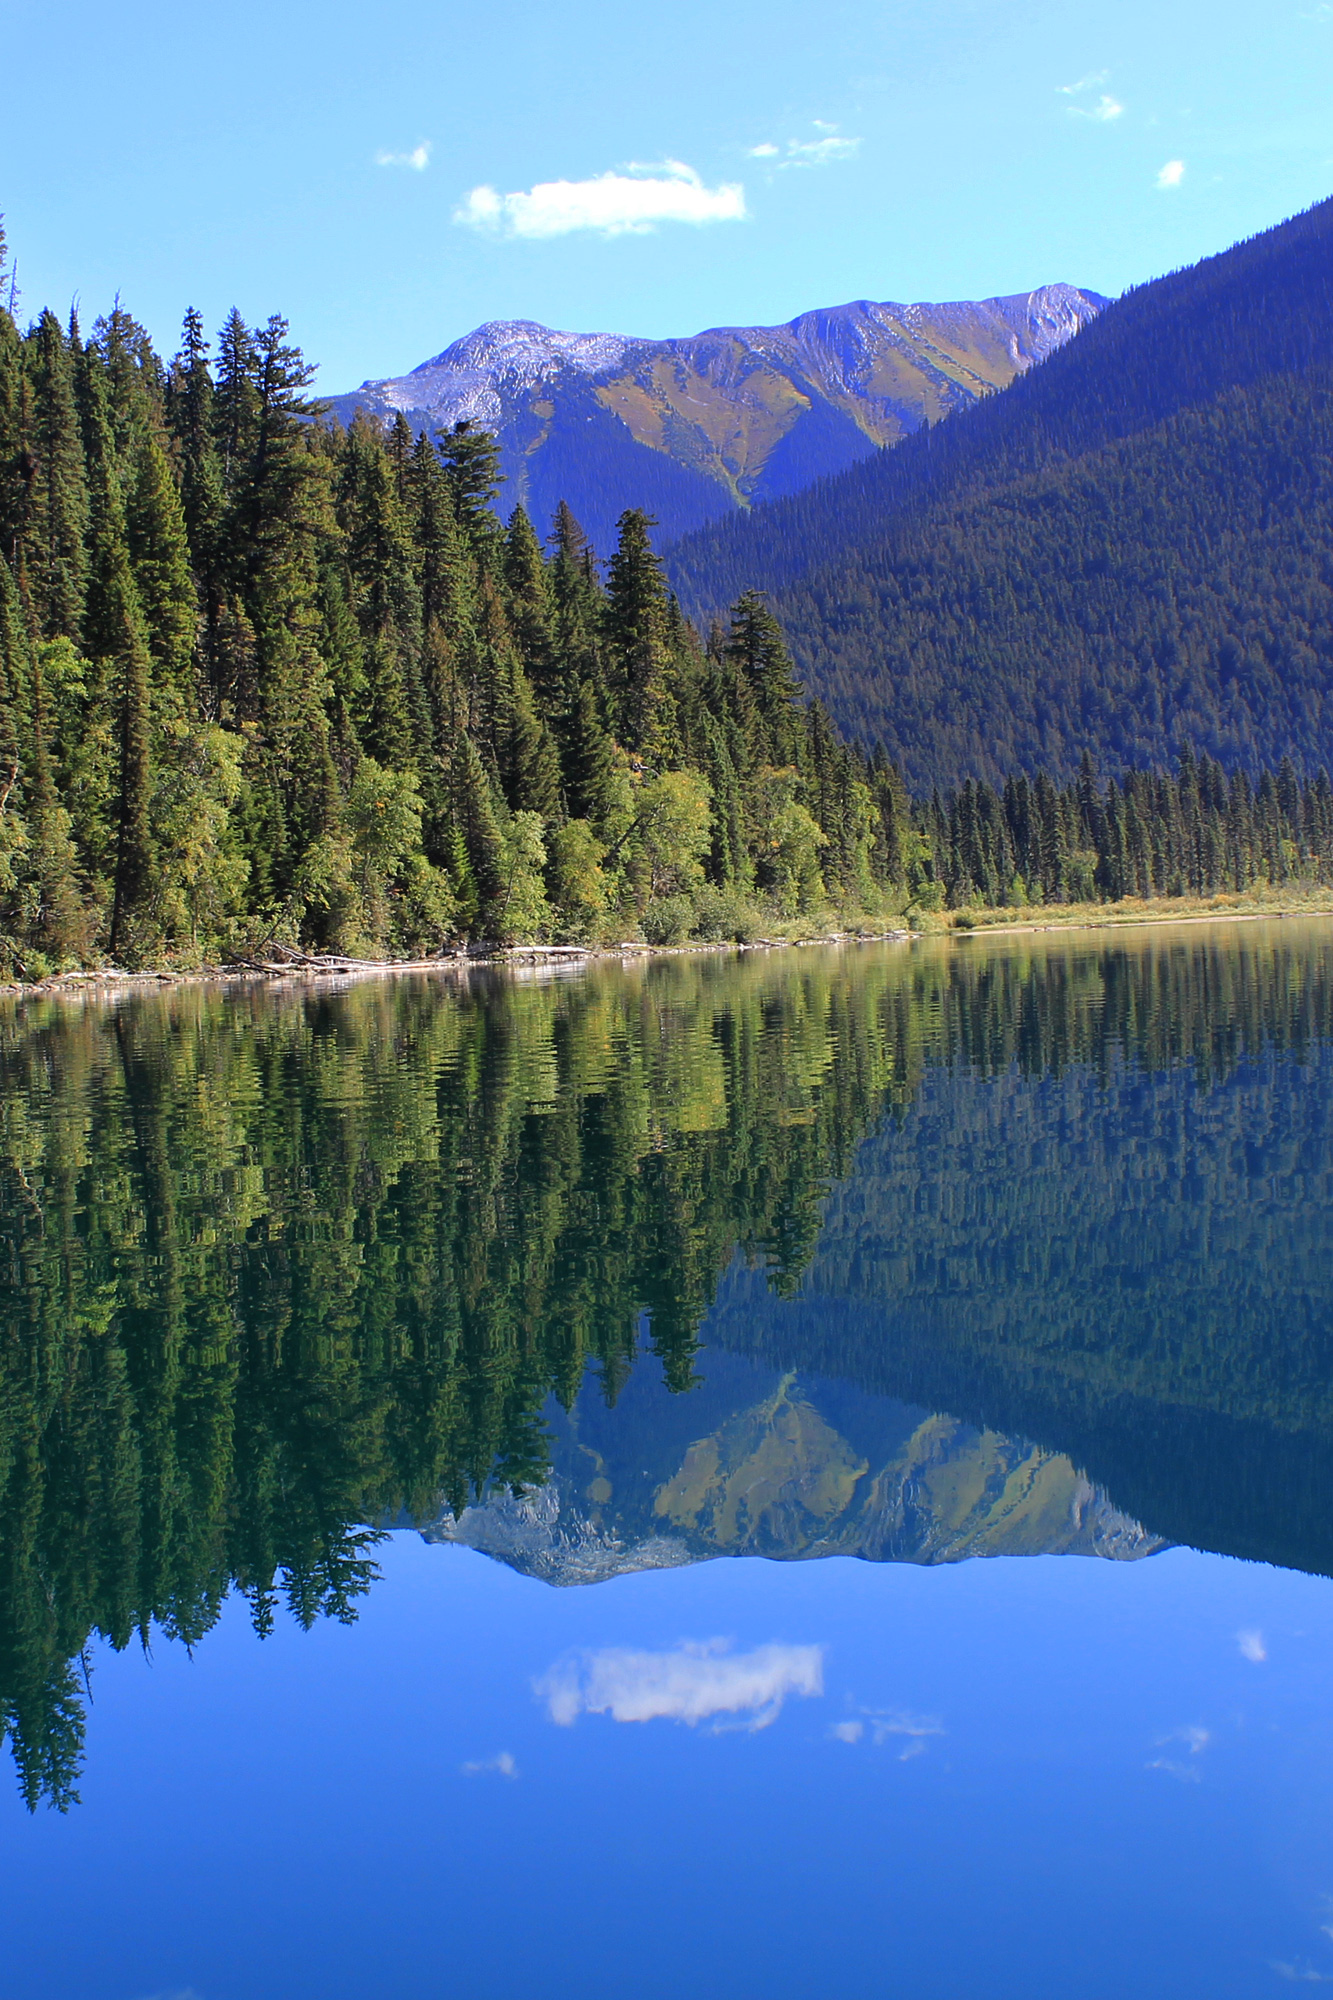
302	968
1127	923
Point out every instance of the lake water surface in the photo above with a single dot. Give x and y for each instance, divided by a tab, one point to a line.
752	1477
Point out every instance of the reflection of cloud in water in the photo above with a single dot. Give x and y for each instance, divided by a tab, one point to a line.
691	1683
1189	1773
888	1724
1196	1739
503	1765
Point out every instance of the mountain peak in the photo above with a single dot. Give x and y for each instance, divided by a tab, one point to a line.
694	427
528	349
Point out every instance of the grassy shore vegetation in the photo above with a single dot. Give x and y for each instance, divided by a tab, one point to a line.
1297	899
261	677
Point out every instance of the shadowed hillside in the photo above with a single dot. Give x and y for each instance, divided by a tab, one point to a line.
1123	552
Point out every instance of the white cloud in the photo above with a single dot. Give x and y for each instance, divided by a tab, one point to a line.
1252	1645
819	152
1104	110
1306	1974
418	159
847	1732
691	1683
824	151
1171	175
504	1765
628	202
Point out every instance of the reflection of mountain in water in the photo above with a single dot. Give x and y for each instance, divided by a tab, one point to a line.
787	1467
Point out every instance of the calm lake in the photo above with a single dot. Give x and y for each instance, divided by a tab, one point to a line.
750	1477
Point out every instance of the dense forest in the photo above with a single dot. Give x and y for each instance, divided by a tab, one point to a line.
260	675
1196	832
278	1269
265	678
1124	552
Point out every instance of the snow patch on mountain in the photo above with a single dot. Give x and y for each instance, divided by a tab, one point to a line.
471	379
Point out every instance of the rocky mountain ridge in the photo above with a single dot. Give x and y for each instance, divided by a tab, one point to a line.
694	428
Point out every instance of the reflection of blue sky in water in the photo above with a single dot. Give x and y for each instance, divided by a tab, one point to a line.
299	1819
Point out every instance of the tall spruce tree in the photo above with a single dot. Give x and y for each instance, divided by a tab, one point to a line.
635	624
190	418
532	612
117	640
160	559
13	453
53	535
471	461
756	648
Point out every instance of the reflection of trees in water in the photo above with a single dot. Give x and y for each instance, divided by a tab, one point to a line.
276	1266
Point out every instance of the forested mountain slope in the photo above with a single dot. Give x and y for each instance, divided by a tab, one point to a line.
693	428
1123	552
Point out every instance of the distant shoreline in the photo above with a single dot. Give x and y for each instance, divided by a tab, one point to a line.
1128	915
299	968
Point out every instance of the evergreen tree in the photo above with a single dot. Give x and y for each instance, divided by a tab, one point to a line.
635	626
135	380
54	526
394	724
756	648
588	759
14	460
471	462
160	560
474	809
190	416
117	641
531	611
235	401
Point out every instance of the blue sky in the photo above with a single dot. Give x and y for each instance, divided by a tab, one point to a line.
390	177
